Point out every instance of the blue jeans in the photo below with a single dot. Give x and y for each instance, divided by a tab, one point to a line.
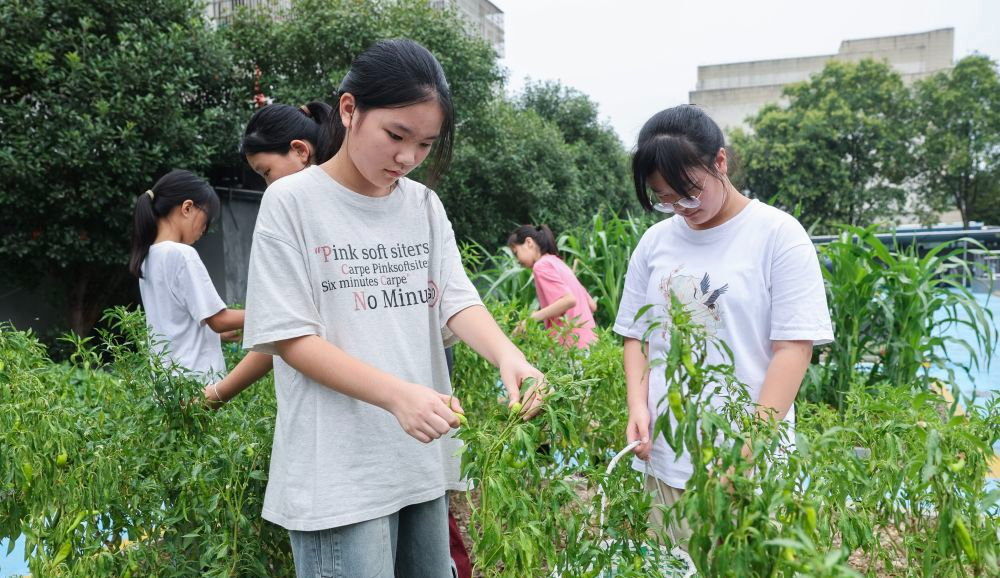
412	543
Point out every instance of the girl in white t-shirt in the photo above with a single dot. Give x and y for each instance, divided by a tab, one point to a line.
279	140
183	310
745	270
355	278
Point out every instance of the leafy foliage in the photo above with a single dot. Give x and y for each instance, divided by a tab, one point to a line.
98	99
958	117
838	152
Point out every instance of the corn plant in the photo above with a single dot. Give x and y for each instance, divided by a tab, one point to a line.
891	310
599	254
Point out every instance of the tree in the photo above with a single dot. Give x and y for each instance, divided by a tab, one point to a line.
97	100
838	151
517	169
304	54
959	150
601	163
545	157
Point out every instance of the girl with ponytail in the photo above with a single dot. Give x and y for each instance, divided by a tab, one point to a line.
184	311
560	294
279	140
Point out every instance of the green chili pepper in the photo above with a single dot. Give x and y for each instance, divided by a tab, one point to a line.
964	539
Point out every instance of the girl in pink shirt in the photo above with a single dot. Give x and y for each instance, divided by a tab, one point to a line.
560	293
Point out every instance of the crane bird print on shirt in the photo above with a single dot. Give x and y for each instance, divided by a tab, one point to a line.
698	297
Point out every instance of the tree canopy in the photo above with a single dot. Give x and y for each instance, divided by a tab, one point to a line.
97	100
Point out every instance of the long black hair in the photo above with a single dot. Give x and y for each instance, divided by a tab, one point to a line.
673	142
170	191
273	128
541	235
394	74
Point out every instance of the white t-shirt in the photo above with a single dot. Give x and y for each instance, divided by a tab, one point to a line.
750	281
379	278
178	296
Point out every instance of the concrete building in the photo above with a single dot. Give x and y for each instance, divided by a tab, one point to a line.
732	92
221	11
482	18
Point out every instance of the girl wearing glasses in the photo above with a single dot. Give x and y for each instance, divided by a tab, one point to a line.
746	271
184	311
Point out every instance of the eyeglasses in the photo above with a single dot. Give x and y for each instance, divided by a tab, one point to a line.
685	202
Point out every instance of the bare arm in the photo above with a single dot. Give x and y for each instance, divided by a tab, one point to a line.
784	376
591	303
253	367
557	308
422	412
637	396
477	328
226	320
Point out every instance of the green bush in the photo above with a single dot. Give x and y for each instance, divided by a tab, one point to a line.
109	469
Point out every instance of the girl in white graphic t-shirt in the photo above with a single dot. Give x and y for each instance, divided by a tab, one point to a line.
747	271
355	277
183	310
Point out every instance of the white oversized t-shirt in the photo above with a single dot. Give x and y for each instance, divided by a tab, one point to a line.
750	281
378	277
178	296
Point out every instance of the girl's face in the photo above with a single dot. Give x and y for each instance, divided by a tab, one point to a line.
527	253
385	144
273	166
710	191
190	221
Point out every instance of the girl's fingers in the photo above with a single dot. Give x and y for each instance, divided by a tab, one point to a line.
420	436
510	384
442	425
532	400
443	417
452	402
430	428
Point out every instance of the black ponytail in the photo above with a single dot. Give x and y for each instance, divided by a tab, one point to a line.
273	128
541	235
394	74
170	191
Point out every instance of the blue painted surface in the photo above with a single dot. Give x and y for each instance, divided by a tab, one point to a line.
12	565
984	381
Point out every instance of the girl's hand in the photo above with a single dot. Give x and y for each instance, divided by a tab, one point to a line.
513	371
639	426
233	336
211	398
424	413
522	325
